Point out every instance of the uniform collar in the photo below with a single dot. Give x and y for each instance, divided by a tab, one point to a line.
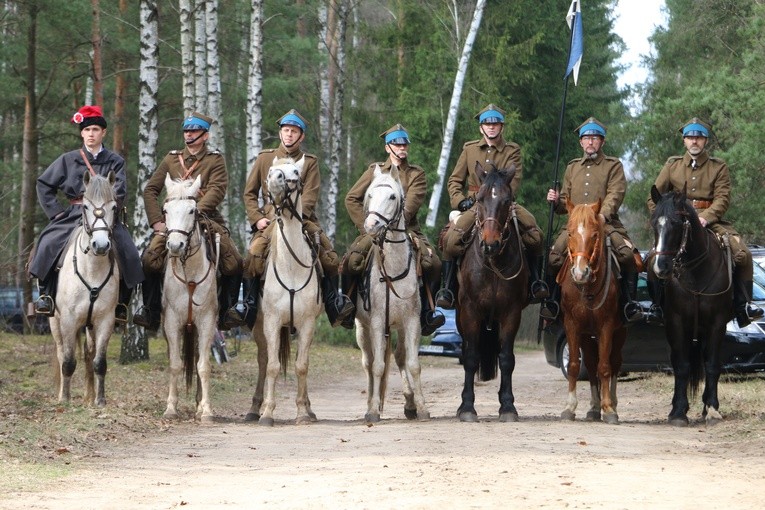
199	155
700	159
93	155
402	168
499	146
294	154
598	159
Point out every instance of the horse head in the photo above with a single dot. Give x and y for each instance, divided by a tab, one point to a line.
99	208
585	239
494	202
180	212
284	184
672	221
384	201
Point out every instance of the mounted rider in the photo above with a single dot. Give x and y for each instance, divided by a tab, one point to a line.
587	179
65	175
491	148
292	128
706	180
414	184
194	160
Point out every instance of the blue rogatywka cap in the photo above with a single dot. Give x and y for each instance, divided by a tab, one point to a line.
197	121
396	135
491	114
591	127
695	127
293	118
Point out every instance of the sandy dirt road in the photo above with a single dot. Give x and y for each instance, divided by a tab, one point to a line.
340	462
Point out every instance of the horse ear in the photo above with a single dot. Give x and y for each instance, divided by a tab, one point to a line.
655	195
168	181
378	170
569	205
86	177
596	206
511	173
300	164
479	171
111	177
196	185
394	172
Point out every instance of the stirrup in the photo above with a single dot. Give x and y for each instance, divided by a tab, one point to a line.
636	313
121	313
655	315
42	309
230	320
538	291
549	310
445	299
144	318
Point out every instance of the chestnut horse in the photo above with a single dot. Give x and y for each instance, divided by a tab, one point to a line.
697	275
591	314
492	294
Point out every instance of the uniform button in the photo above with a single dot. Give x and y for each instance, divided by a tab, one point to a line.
586	183
693	189
586	194
587	174
693	178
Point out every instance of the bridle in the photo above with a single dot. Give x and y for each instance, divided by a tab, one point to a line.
593	259
509	227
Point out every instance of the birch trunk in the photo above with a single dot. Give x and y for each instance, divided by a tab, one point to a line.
451	120
349	144
187	55
255	84
135	344
200	57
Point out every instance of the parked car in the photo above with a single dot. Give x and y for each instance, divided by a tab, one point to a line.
12	311
646	348
446	340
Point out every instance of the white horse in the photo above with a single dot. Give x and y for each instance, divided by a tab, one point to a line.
291	299
88	291
189	299
389	300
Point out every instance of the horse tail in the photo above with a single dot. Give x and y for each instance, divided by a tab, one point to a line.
696	359
384	378
284	348
190	355
488	353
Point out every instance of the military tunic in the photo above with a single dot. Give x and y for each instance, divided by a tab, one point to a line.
210	166
65	174
503	156
706	181
584	182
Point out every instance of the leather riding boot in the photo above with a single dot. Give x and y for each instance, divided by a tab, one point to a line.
46	302
337	305
351	288
632	310
430	320
121	311
655	314
251	288
149	315
228	296
744	312
446	297
551	306
538	289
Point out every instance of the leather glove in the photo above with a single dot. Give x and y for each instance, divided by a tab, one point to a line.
466	204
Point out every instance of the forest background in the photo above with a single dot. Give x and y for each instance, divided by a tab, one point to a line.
353	68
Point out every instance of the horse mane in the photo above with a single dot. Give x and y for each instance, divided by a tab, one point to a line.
583	213
99	190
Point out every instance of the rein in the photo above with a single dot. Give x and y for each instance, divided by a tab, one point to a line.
505	238
94	291
603	290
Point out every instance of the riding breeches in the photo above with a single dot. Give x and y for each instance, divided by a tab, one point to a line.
742	257
454	242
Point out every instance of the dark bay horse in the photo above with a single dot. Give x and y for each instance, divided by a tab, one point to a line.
696	270
493	280
591	312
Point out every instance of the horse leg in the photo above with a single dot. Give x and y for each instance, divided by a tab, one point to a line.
204	343
272	326
605	375
410	410
573	339
411	342
378	366
678	416
257	398
507	411
590	359
88	353
101	335
67	360
174	360
711	412
364	341
305	337
619	337
466	411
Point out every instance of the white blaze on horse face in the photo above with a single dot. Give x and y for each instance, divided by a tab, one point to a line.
661	231
494	192
580	268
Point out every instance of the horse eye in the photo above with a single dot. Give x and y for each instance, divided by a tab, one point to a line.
393	196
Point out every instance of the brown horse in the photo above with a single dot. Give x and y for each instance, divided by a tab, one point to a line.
493	281
591	315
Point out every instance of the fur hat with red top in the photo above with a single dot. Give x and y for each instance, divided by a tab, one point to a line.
88	116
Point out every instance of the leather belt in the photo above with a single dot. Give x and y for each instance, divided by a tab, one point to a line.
473	189
701	204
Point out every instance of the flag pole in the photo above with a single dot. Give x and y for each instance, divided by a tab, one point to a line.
556	182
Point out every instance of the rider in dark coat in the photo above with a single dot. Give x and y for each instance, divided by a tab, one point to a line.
65	175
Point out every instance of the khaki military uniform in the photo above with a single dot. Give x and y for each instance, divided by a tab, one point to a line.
211	167
708	188
414	184
503	155
584	182
256	189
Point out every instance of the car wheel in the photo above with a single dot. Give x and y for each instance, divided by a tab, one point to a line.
563	357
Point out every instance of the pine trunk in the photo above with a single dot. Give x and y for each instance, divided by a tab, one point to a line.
98	73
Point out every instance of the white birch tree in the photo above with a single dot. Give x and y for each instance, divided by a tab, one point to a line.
454	106
324	88
200	56
255	84
212	65
187	55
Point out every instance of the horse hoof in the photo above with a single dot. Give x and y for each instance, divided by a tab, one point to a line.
468	417
411	414
250	417
312	416
611	418
101	402
592	416
567	415
423	415
678	421
508	417
304	420
207	419
371	417
266	422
